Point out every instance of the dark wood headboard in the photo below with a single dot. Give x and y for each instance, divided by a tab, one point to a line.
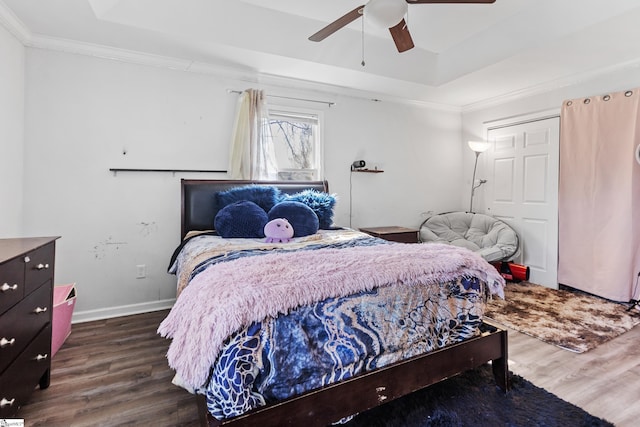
198	198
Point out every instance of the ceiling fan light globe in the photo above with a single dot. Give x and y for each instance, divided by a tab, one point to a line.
385	13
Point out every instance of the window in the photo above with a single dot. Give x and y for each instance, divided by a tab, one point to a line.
297	142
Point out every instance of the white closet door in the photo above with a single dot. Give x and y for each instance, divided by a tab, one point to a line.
522	190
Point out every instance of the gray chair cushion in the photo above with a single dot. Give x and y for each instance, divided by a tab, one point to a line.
490	237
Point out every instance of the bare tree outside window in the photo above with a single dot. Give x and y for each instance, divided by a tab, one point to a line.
295	137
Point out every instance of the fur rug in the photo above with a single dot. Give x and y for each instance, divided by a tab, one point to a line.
472	399
569	319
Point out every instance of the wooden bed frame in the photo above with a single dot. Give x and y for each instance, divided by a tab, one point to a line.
362	392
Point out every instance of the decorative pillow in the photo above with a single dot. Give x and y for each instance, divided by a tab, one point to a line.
262	195
321	203
301	217
241	219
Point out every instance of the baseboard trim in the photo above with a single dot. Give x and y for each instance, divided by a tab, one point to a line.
123	310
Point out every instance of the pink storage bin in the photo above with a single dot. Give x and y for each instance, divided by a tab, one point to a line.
64	300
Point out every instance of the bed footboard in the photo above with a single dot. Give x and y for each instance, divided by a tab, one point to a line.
368	390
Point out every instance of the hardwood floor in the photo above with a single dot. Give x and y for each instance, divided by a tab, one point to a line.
114	373
604	381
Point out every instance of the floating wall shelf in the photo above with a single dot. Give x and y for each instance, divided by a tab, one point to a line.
116	170
368	170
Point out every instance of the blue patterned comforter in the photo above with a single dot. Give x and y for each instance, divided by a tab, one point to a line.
330	340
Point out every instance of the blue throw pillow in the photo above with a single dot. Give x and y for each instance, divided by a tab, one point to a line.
262	195
321	203
301	217
242	219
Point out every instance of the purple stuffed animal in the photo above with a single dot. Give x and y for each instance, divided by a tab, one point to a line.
278	231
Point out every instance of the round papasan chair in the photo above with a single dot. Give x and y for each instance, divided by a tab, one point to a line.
490	237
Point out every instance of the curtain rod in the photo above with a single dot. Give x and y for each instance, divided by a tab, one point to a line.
328	103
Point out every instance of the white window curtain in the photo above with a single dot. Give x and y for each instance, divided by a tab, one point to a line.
252	154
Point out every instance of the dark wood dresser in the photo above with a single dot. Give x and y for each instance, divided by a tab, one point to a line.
26	304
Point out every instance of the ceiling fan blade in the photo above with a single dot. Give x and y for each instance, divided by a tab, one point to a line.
401	36
449	1
337	24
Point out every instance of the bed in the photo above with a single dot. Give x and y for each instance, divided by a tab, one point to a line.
254	367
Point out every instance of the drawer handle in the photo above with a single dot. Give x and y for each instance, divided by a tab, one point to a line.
41	357
6	287
4	402
27	259
6	343
39	310
42	266
381	397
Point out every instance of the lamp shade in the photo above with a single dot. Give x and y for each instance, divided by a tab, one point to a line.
479	146
385	13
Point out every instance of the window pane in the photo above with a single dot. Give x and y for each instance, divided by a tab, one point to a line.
295	138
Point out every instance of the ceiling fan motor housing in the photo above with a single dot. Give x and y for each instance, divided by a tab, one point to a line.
385	14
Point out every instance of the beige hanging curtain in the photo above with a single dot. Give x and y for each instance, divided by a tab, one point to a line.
599	195
252	154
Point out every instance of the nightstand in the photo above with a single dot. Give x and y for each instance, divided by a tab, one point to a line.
393	233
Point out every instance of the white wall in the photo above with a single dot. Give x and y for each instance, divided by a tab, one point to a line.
473	122
417	148
83	113
12	68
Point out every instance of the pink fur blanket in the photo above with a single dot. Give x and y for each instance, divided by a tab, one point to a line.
229	296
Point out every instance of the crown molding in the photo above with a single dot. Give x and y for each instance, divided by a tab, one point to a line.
283	82
39	41
17	28
573	80
13	24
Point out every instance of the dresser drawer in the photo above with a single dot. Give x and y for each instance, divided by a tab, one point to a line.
20	324
11	283
17	383
38	267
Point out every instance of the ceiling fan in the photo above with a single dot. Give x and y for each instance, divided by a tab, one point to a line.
385	13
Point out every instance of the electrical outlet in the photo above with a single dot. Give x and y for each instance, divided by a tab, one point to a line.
141	271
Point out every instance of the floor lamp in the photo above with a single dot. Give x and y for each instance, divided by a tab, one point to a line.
477	147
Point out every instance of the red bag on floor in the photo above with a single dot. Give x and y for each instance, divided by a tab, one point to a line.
512	271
